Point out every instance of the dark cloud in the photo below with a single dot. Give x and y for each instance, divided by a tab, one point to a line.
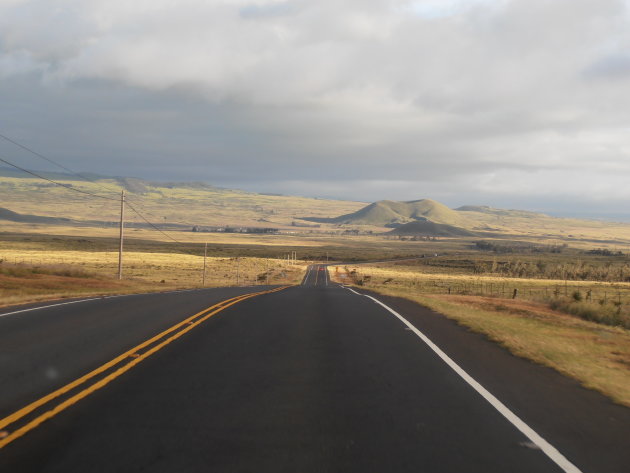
467	101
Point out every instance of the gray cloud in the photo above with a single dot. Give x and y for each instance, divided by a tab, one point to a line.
487	100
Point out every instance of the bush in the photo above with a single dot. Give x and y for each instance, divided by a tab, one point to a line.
600	312
24	271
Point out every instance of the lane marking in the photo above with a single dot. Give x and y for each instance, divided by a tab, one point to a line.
34	405
47	306
101	298
308	273
134	357
525	429
316	274
77	382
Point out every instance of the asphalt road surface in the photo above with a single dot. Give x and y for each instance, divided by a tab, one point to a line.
310	378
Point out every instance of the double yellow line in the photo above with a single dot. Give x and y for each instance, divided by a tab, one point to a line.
127	360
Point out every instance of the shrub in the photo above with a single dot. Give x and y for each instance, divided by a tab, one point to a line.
601	312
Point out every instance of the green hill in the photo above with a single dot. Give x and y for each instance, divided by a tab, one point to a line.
167	204
391	213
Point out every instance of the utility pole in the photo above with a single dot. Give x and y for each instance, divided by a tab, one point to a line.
205	254
122	233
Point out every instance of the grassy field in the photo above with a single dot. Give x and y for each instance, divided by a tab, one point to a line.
186	204
34	266
310	247
28	275
198	204
596	354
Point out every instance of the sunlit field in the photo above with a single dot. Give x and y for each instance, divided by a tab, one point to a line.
29	275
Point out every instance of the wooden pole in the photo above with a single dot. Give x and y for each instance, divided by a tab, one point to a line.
122	233
205	254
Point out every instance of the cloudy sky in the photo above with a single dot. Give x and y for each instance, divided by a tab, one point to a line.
510	103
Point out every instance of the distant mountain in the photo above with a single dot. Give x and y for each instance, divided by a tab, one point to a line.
389	213
9	215
500	212
431	229
130	184
177	205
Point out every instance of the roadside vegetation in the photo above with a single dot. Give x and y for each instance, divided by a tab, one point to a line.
548	321
42	275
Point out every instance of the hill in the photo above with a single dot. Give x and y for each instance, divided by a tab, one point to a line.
167	204
388	213
8	215
500	212
31	204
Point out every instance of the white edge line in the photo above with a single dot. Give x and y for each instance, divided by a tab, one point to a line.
47	306
530	433
308	271
98	298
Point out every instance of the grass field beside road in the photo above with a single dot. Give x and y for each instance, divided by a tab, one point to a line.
43	275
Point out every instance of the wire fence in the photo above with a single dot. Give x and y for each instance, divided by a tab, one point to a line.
603	302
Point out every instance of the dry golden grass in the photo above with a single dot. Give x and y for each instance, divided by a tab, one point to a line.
143	272
312	247
45	287
596	355
417	278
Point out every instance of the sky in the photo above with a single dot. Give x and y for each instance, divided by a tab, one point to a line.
509	103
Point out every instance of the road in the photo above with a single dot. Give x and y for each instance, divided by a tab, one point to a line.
310	378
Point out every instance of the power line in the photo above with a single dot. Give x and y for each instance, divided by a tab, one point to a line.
65	168
69	187
66	186
45	158
152	225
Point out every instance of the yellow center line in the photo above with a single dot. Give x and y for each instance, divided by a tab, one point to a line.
135	359
129	353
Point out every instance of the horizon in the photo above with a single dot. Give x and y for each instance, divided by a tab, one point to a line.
611	218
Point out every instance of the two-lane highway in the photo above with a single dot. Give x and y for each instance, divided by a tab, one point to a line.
316	275
311	378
